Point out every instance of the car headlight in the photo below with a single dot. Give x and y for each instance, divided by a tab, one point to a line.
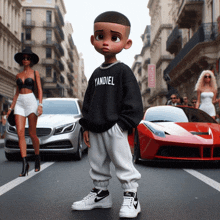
64	128
11	129
155	131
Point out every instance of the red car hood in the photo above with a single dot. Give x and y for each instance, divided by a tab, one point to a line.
191	132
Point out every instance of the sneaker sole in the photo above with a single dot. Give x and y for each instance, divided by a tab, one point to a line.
98	206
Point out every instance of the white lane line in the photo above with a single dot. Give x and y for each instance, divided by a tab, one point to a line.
10	185
214	184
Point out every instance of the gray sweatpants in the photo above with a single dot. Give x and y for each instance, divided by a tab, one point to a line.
112	146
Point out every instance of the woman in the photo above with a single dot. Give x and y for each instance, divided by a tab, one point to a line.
25	105
206	88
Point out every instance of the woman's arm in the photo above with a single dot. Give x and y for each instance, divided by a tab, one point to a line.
214	100
198	98
40	93
13	102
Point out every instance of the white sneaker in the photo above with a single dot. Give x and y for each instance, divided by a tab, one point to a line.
95	199
130	206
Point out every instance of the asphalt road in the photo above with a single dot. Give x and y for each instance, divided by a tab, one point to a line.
168	191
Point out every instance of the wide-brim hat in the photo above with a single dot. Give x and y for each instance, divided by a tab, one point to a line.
19	56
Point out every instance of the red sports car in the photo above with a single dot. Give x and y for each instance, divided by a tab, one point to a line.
176	133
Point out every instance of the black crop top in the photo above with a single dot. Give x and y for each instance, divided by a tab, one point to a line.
28	83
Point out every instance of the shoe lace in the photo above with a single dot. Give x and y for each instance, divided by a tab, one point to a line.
91	194
127	201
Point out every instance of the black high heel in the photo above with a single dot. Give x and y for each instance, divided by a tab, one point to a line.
37	163
25	167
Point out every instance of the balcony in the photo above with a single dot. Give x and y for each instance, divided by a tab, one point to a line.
59	33
146	62
70	52
59	15
49	62
70	77
29	42
59	50
70	65
48	43
174	41
28	23
190	13
70	39
207	32
47	24
61	66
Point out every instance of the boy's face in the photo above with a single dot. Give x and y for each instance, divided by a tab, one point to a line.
109	38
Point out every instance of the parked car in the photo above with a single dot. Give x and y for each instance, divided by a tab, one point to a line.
58	130
176	133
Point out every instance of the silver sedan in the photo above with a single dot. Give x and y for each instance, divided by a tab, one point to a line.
58	130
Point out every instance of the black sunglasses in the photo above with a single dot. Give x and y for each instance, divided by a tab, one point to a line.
208	77
26	58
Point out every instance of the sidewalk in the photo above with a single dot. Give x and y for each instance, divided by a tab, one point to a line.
1	143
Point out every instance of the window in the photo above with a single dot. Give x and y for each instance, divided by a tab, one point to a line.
49	36
49	1
28	34
28	16
48	53
49	17
48	71
29	1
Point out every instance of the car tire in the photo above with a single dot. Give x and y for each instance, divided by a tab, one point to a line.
78	155
137	155
12	157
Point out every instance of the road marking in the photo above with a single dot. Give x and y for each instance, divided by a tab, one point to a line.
214	184
8	186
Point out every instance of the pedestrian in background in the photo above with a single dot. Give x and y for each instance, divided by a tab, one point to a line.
206	88
173	100
193	101
112	107
25	105
186	101
179	100
3	124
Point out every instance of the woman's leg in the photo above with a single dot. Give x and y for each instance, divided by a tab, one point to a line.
20	125
32	120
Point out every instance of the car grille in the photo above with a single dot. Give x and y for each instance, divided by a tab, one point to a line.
189	152
40	132
177	151
65	144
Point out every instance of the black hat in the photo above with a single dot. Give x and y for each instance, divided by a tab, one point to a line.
19	56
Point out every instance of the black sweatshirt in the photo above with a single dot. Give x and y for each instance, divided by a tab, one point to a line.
113	96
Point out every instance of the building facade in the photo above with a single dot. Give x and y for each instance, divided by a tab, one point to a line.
160	29
194	42
184	41
10	33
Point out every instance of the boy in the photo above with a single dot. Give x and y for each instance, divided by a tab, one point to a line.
112	106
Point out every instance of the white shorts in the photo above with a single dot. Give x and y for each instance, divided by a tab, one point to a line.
25	105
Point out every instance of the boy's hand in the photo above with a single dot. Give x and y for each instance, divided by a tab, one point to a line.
86	138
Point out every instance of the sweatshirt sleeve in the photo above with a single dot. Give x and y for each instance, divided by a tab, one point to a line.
132	107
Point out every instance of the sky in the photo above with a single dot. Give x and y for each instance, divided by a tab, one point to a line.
82	13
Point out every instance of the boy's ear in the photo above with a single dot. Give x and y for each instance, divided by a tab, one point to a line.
128	44
92	39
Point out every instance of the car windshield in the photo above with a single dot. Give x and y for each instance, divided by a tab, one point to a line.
177	114
60	107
